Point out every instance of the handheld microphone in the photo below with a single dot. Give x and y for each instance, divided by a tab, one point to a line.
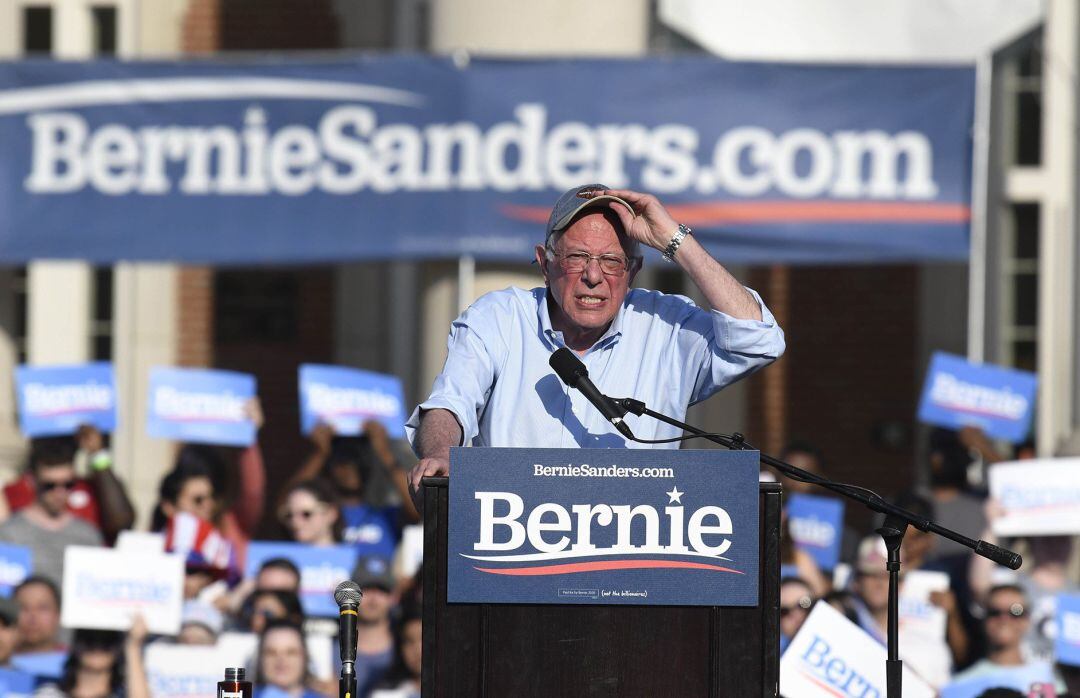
347	595
573	373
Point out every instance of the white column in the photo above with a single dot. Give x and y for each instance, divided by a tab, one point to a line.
73	29
1057	248
59	303
145	334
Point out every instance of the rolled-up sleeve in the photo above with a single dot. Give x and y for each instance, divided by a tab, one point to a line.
463	386
738	348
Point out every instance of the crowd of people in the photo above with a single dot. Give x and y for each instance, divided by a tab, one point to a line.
210	508
211	504
999	625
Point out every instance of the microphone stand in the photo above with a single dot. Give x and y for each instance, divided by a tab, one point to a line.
897	519
347	682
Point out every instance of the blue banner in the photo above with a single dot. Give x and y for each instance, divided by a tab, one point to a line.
55	400
201	406
603	526
957	393
346	397
414	157
321	570
16	561
817	526
1067	642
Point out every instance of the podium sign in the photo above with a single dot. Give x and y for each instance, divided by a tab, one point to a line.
603	526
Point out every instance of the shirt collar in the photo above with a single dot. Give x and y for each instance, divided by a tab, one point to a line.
555	337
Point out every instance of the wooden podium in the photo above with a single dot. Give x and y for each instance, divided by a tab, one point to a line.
507	650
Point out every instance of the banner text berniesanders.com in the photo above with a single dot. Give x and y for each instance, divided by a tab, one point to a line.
597	471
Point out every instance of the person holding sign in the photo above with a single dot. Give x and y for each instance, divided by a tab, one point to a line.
496	388
349	464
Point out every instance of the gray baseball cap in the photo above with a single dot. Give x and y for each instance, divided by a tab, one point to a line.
570	204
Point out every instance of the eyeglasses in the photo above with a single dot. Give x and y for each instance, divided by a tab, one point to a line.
1016	610
576	262
803	604
50	486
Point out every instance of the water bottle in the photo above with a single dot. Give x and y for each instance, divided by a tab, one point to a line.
234	685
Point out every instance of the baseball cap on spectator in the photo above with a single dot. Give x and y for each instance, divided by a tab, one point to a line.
9	611
202	614
872	556
373	571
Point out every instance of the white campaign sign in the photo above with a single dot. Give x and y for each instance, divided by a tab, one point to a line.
190	671
1040	497
830	656
922	627
104	588
141	542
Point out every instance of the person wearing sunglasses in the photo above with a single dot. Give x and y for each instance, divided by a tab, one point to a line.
1006	620
46	525
312	514
796	600
496	387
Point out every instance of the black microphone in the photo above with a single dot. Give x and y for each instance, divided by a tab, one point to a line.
573	373
347	595
999	555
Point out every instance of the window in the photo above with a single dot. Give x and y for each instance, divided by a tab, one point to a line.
101	323
104	23
37	30
256	306
1020	287
1023	99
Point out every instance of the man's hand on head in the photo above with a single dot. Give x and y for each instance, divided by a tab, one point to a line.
651	225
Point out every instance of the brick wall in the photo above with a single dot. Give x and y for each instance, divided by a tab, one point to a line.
278	25
849	370
202	27
196	316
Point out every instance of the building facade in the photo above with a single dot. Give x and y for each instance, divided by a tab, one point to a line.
859	337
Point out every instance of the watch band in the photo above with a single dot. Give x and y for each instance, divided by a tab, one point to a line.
676	240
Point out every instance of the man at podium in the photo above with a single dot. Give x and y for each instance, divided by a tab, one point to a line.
496	387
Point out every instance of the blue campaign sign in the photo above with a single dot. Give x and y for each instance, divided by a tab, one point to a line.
957	393
321	570
16	561
56	400
1017	678
1067	642
416	157
201	406
345	397
603	526
16	684
42	665
816	525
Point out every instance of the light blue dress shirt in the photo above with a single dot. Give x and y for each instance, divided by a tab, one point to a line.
661	349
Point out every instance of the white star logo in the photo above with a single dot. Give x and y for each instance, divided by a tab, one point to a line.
676	496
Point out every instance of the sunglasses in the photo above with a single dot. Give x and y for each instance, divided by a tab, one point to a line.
1014	611
50	486
802	604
